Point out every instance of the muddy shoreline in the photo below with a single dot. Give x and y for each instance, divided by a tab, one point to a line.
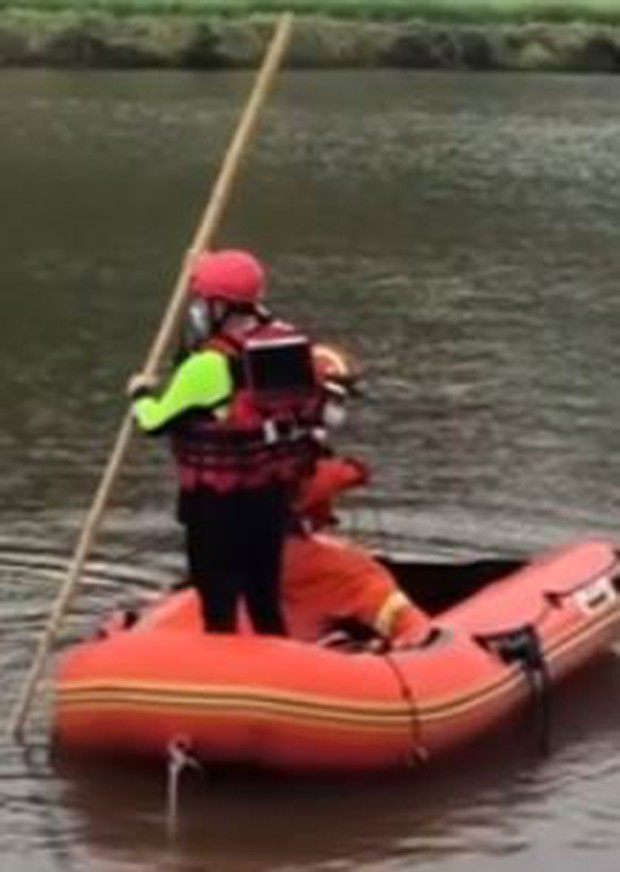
68	40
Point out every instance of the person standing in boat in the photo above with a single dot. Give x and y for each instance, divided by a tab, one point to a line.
241	409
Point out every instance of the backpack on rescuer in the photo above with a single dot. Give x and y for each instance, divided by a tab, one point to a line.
265	433
273	374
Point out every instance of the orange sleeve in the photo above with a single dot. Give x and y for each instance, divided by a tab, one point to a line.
332	476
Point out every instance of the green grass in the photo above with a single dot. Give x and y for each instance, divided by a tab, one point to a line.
479	11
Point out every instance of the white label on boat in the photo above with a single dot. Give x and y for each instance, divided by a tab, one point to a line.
596	596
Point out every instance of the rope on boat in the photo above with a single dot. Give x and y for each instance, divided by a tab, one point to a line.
523	647
179	759
419	753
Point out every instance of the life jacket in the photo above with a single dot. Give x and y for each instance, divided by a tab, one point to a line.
263	433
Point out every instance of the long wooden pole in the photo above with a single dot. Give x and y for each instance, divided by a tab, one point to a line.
205	232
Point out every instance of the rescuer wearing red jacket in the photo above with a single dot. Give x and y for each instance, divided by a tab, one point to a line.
241	409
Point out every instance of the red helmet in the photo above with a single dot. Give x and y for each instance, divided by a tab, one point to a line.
335	370
230	275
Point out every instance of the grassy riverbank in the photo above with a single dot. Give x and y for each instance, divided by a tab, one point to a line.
463	11
479	34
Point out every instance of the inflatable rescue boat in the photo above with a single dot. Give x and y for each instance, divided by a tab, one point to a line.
497	633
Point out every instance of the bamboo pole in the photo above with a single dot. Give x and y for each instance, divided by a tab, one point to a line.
204	234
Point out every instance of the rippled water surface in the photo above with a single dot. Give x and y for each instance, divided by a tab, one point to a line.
461	232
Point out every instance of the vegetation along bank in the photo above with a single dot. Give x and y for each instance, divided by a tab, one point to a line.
582	35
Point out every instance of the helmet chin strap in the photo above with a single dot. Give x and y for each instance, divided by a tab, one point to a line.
204	318
232	313
263	313
219	313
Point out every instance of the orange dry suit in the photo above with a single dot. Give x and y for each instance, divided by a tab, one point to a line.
325	577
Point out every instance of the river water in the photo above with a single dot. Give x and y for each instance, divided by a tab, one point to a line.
460	232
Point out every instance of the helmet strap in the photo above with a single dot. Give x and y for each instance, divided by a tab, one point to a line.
263	314
219	312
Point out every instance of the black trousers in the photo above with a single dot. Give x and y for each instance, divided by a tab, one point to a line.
234	547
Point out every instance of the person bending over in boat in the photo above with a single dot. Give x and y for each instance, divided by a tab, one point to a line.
327	580
241	408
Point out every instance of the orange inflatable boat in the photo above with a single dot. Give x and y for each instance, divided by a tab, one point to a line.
494	635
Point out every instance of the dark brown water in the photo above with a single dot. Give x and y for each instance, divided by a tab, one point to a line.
462	233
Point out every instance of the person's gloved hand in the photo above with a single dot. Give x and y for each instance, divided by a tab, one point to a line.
140	383
360	467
